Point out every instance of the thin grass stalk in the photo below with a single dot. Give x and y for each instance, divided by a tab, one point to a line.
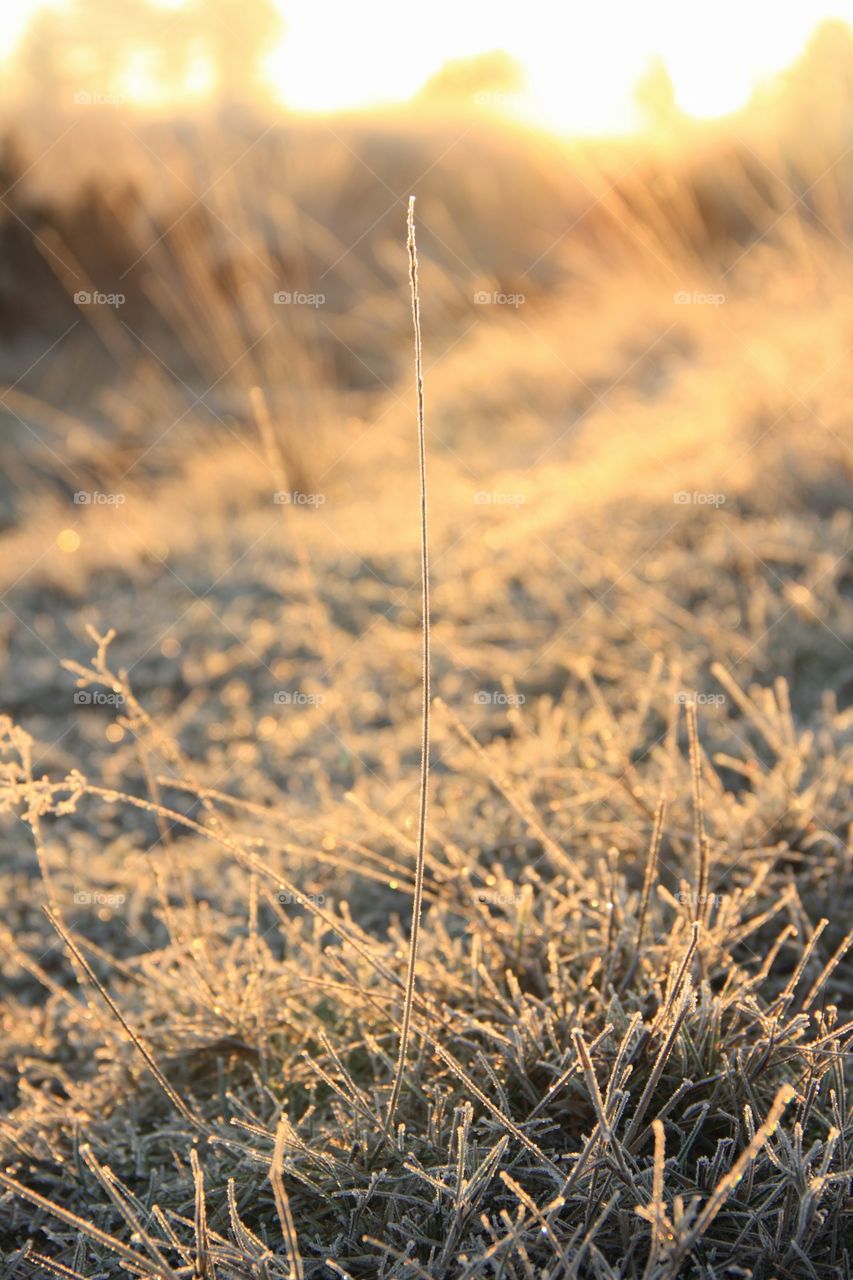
700	907
651	867
174	1097
424	782
282	1205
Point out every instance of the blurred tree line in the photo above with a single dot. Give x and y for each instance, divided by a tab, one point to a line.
96	46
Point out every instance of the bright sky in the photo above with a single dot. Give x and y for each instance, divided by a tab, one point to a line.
580	59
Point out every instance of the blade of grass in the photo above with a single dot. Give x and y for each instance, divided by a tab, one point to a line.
424	783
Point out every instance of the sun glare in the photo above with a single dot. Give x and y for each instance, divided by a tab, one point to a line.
580	63
578	66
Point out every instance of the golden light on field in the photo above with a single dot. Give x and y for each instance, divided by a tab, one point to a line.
573	69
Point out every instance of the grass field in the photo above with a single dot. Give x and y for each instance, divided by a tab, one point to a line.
633	1001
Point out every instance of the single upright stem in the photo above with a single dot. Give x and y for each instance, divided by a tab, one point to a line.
700	909
425	707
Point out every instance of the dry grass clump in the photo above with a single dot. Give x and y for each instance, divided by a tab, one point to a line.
603	1084
632	1014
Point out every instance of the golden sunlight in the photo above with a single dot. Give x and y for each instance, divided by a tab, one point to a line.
605	69
579	64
